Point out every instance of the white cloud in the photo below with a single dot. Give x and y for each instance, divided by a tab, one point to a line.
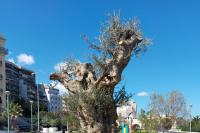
142	94
11	60
25	59
59	66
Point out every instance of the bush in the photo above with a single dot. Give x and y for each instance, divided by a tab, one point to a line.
45	121
49	119
53	122
3	122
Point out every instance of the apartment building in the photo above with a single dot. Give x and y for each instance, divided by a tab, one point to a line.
20	82
3	52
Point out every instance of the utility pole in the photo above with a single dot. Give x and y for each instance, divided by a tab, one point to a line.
7	94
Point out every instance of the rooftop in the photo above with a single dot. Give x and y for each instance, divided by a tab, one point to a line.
20	68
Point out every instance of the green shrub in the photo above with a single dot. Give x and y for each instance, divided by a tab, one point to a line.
3	122
45	121
53	122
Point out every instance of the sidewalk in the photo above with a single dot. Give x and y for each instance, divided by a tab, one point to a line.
55	132
178	132
5	131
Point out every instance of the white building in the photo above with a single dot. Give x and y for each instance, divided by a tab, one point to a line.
54	99
128	113
128	110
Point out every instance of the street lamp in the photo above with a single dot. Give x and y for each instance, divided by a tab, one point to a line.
31	116
38	109
38	105
190	118
7	94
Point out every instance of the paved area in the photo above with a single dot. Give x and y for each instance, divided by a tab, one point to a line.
5	131
176	131
55	132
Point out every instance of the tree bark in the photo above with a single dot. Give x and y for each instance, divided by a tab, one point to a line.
97	121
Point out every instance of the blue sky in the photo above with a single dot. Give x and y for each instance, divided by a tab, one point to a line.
48	31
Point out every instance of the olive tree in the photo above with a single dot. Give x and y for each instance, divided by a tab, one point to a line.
93	83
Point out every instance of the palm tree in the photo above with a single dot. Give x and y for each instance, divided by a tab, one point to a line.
15	110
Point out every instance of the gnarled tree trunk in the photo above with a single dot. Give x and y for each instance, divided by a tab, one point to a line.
101	123
93	84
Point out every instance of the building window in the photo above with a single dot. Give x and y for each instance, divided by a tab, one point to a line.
1	76
1	63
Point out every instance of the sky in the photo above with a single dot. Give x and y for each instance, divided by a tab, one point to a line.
42	33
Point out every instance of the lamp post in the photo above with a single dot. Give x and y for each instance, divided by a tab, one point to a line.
31	116
38	109
7	94
190	118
